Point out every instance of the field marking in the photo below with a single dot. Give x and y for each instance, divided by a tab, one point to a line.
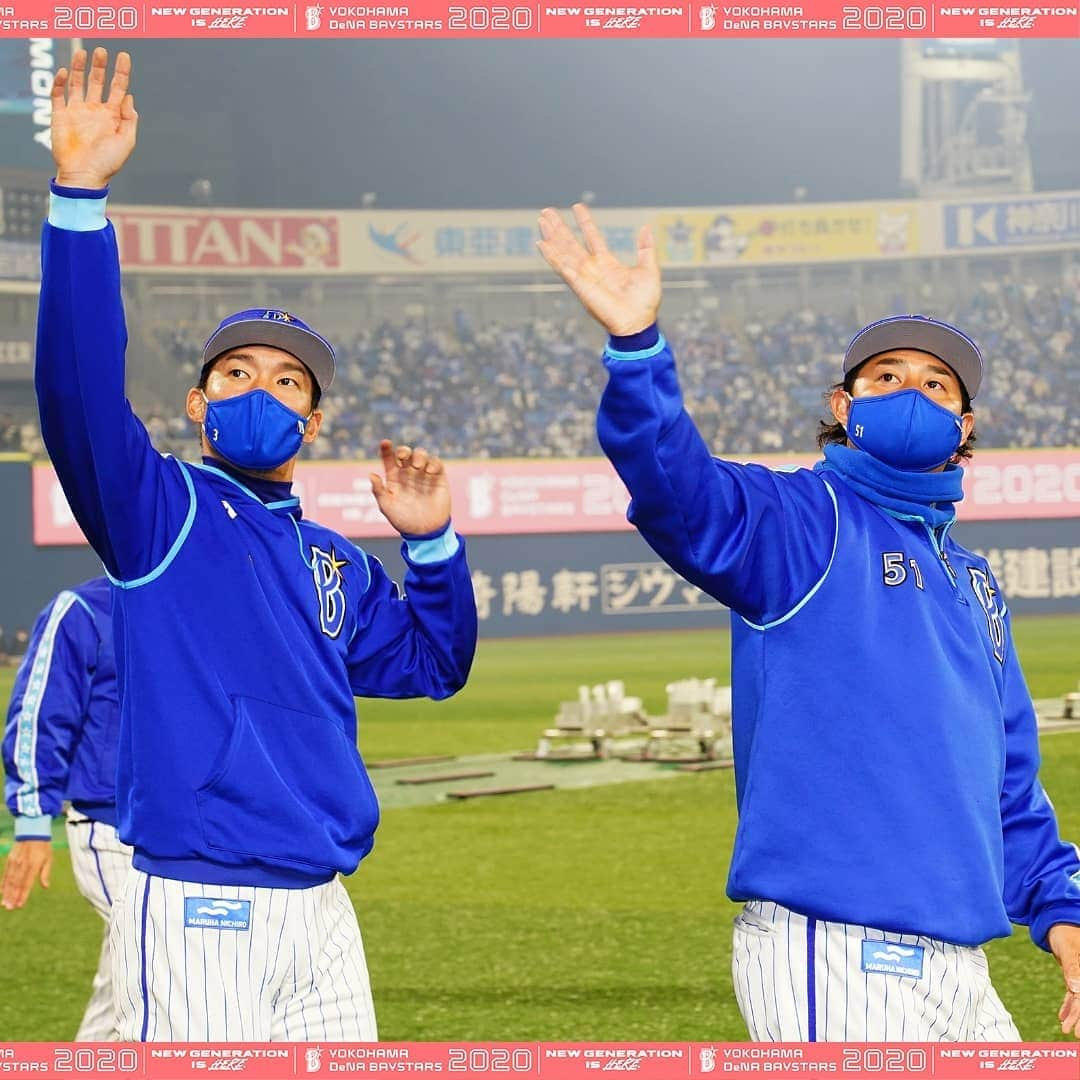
429	785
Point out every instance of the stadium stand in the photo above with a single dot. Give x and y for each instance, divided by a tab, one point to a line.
527	386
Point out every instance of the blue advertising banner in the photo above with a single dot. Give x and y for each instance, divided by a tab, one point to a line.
613	582
1035	221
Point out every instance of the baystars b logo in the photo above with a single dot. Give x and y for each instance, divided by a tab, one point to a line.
329	586
986	594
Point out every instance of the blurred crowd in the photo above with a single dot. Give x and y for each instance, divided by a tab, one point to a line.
1032	396
530	389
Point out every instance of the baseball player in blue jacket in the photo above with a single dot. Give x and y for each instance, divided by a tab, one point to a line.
243	633
63	724
891	819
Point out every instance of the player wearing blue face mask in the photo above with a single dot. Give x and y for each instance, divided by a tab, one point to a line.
257	399
243	632
891	818
906	395
252	400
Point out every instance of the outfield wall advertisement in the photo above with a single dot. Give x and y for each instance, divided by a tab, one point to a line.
1035	221
551	551
584	495
415	243
563	583
418	243
422	242
169	240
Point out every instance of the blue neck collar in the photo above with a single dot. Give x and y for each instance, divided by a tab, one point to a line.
266	491
929	498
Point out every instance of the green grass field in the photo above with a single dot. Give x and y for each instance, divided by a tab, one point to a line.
585	914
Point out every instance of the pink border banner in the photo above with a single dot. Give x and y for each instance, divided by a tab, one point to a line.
507	497
544	1061
447	19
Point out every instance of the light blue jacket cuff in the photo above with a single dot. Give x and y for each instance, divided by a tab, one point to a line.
437	549
77	215
33	828
643	346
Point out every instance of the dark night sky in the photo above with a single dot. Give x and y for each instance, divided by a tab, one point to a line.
492	123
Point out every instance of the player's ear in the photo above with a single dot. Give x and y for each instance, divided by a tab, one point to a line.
840	403
967	426
195	405
311	432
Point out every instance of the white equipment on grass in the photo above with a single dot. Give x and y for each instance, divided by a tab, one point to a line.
697	724
1059	714
604	722
585	728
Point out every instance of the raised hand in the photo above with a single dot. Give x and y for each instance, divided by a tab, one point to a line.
624	299
413	493
92	134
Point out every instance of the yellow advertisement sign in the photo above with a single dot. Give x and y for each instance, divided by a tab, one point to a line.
814	232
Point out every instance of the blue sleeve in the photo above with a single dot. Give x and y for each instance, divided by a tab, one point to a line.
1042	872
756	539
129	500
420	643
48	707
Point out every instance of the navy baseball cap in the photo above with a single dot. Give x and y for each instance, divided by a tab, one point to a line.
923	333
279	330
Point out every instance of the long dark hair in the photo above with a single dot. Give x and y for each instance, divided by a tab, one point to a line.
835	433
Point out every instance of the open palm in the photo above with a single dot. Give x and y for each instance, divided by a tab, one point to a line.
413	493
93	133
624	299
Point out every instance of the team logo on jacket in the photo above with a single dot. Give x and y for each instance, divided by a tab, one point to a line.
330	589
986	593
208	913
889	958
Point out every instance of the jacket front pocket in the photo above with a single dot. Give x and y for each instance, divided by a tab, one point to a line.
289	786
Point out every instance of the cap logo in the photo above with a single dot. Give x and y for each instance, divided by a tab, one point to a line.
277	316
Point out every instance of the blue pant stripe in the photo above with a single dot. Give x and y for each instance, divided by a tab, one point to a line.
142	961
97	863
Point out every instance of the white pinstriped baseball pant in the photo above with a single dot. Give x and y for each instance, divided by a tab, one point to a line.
802	980
101	864
297	972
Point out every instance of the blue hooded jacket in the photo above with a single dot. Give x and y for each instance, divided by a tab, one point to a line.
886	752
243	630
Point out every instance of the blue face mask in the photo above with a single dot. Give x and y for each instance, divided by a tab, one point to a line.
254	430
904	429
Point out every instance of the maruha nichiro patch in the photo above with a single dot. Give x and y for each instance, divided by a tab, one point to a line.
205	913
891	958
